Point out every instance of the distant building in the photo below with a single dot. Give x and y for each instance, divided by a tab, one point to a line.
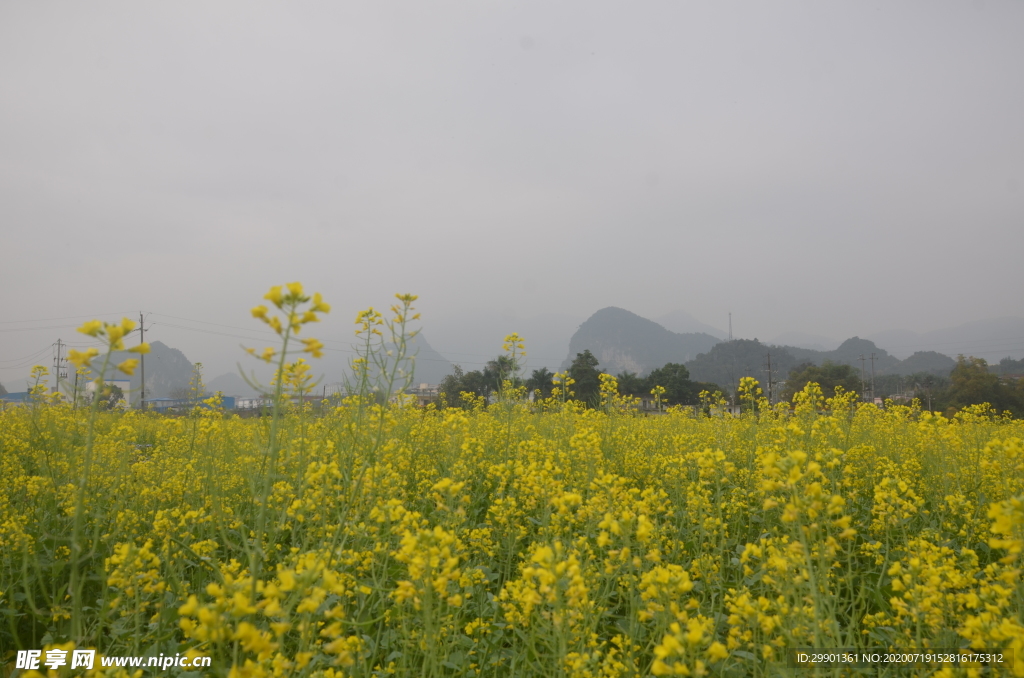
425	394
14	398
185	404
253	403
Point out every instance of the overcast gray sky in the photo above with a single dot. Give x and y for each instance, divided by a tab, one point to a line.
827	168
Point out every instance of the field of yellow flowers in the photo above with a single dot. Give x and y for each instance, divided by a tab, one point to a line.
514	539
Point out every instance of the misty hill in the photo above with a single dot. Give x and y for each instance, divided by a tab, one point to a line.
431	366
728	361
928	362
991	339
230	384
851	350
849	353
624	341
168	371
681	322
816	342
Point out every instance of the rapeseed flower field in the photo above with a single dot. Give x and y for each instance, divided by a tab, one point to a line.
515	538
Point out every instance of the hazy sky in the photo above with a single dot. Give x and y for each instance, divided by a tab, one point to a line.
828	168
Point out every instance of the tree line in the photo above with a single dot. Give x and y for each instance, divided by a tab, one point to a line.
972	381
585	373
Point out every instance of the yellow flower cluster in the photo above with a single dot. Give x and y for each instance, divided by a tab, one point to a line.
294	315
113	335
520	538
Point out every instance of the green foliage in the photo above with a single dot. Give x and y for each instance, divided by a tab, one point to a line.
925	386
483	383
499	370
827	376
729	361
541	380
679	390
458	382
1009	366
673	377
587	378
112	397
973	384
631	384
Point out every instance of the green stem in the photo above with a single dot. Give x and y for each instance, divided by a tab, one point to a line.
76	533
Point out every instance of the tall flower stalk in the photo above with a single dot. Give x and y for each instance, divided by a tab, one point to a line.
296	309
113	335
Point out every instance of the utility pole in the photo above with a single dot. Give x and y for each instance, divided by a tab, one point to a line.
872	377
730	325
60	365
863	385
142	360
768	369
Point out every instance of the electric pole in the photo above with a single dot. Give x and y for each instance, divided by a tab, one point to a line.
872	377
768	369
863	385
730	325
142	361
60	365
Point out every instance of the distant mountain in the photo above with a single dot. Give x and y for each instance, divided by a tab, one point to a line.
815	342
681	322
431	366
230	384
849	353
926	361
624	341
728	361
990	339
168	371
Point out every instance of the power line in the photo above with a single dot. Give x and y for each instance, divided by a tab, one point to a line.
27	357
36	329
67	317
204	322
325	341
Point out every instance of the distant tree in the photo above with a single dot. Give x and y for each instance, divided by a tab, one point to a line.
1009	366
827	376
498	370
587	377
932	391
541	380
479	383
3	391
630	384
926	386
458	382
675	378
451	386
111	397
972	384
